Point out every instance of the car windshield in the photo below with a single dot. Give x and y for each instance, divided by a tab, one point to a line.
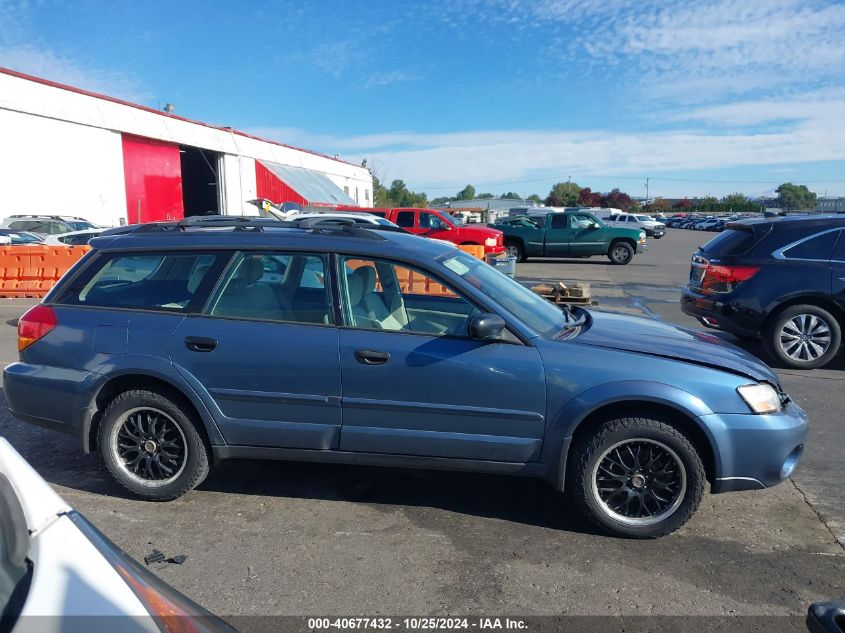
22	238
528	307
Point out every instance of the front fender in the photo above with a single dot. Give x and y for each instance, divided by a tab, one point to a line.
563	425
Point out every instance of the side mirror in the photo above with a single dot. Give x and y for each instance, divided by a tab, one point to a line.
486	326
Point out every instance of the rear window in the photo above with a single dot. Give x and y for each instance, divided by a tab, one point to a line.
405	219
149	281
730	242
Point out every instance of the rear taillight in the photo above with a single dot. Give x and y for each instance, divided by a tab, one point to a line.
722	279
35	324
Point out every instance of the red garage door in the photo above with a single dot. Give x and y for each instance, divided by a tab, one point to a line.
153	180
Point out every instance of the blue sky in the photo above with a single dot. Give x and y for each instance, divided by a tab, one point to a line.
702	97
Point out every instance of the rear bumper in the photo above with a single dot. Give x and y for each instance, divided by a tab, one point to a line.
757	451
53	397
713	313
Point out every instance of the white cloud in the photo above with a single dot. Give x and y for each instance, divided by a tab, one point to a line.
388	78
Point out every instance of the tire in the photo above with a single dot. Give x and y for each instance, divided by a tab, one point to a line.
515	249
783	337
171	442
657	237
620	253
594	460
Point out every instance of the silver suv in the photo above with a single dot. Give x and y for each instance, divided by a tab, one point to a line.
47	224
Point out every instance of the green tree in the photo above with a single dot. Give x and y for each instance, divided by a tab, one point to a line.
535	198
400	196
563	194
510	195
792	197
467	193
484	196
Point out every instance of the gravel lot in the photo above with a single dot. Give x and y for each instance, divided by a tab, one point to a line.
296	539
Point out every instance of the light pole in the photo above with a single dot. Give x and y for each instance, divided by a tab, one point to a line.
646	190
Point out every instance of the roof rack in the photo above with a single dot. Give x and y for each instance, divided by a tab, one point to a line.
247	223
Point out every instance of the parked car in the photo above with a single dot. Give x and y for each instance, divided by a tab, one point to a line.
47	224
572	234
358	218
168	348
58	572
74	238
777	279
710	224
18	238
651	227
440	225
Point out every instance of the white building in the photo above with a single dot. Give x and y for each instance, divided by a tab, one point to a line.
66	151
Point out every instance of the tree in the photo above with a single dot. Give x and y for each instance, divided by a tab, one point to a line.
795	197
618	200
659	205
563	194
589	198
535	198
683	205
484	196
467	193
510	195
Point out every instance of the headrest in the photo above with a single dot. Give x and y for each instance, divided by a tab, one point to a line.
361	282
251	269
197	276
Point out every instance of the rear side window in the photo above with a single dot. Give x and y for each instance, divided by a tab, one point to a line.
149	281
405	219
818	247
559	221
275	287
730	242
22	225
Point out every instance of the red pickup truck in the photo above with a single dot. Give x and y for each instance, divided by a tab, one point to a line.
440	225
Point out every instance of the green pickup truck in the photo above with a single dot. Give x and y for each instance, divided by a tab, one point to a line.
569	234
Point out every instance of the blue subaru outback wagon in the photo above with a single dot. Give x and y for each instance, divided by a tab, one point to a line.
171	346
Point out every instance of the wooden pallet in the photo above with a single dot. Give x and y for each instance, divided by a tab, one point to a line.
576	293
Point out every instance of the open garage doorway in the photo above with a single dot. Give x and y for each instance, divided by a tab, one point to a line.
200	181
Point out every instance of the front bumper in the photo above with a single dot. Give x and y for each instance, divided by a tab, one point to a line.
756	451
642	247
494	250
713	313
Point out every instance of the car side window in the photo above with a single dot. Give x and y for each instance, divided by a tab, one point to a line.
405	219
381	295
818	247
150	281
430	221
630	218
559	221
22	225
274	287
581	221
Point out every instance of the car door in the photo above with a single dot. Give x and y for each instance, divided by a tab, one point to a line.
587	235
414	383
558	235
263	352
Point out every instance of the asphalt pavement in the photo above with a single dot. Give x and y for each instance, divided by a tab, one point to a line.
266	538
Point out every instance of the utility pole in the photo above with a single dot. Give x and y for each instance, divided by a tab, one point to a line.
646	189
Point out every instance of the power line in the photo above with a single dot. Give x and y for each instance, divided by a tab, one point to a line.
657	179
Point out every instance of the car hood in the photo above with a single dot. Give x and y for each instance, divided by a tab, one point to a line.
656	338
483	231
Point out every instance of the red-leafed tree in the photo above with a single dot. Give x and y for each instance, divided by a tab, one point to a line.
589	198
683	205
618	200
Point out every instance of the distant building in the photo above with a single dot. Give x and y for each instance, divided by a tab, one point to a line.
490	208
830	205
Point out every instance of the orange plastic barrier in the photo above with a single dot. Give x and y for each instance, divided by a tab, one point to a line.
31	271
473	249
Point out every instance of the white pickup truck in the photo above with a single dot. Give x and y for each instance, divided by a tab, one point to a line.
652	227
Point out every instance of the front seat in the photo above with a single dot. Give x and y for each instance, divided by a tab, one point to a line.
246	296
368	309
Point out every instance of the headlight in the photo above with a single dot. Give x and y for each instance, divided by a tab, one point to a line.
762	397
490	241
642	236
